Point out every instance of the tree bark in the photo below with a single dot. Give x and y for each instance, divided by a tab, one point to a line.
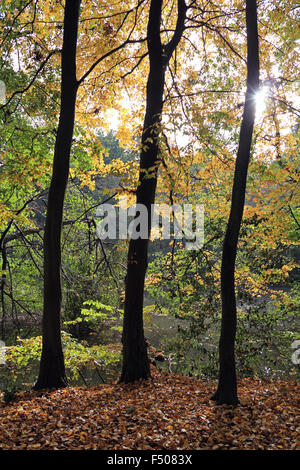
227	387
3	283
135	358
52	368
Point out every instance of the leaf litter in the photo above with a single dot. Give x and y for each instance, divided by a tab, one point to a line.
168	411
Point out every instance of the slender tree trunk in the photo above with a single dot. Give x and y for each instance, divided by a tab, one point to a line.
3	283
52	368
135	359
227	388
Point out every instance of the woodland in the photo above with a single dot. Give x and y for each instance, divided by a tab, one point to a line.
140	343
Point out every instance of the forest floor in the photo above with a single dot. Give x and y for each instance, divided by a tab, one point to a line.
167	412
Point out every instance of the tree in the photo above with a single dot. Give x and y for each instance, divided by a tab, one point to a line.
202	90
226	392
52	368
135	360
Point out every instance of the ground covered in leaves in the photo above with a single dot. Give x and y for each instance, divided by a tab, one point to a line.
167	412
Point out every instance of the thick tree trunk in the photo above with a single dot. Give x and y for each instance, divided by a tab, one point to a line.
227	387
135	359
52	368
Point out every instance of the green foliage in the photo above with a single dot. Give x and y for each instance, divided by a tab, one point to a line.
264	338
98	314
22	360
79	356
266	325
113	149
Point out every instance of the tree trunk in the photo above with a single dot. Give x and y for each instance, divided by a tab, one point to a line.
3	283
227	387
52	368
135	358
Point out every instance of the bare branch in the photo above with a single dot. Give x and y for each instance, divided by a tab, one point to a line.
20	92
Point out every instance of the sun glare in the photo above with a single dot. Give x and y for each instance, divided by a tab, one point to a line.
261	101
